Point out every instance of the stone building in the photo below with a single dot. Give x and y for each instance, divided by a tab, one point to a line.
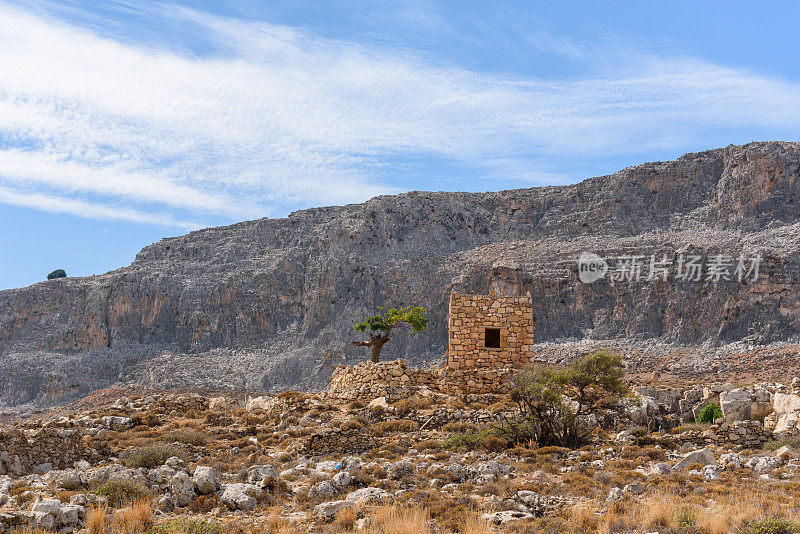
487	331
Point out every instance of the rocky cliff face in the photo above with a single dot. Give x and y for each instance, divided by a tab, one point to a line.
271	303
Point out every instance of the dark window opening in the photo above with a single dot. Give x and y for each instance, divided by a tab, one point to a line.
493	338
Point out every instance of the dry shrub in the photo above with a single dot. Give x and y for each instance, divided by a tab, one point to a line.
356	404
121	492
401	520
153	455
292	396
136	518
431	444
411	404
455	403
475	524
501	406
352	424
346	519
65	495
584	517
183	525
741	507
204	503
460	426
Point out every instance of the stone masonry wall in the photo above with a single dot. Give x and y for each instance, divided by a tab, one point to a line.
20	454
471	315
395	380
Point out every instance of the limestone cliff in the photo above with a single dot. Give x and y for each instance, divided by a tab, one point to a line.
272	302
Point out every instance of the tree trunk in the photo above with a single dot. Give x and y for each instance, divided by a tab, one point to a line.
377	345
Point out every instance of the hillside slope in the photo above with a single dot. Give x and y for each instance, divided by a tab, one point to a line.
271	302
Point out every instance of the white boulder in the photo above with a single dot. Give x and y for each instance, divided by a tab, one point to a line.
701	456
205	480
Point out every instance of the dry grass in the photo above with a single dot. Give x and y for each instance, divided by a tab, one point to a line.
734	511
346	519
474	524
96	521
400	520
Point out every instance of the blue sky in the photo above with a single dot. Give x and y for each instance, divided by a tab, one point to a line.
125	122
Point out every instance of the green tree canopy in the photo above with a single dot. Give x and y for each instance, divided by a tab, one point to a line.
378	327
58	273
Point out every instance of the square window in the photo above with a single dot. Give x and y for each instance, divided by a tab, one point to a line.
492	338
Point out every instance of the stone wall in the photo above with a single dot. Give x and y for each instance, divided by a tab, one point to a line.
332	441
745	434
395	380
471	315
20	454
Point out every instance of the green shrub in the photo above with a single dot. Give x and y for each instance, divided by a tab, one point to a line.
153	455
466	442
557	405
121	492
770	525
710	413
189	437
187	526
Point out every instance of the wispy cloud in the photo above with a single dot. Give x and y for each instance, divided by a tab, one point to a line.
70	206
273	115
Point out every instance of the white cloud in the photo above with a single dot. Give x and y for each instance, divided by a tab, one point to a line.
276	115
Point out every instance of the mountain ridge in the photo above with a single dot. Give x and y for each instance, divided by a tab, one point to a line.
274	300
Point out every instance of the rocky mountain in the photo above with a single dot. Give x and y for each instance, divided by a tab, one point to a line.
271	303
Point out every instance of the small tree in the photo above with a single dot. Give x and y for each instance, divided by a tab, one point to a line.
58	273
559	406
709	413
380	326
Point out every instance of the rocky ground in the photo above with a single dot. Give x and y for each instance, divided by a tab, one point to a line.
300	462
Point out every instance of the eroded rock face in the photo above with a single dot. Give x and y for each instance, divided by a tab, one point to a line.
270	303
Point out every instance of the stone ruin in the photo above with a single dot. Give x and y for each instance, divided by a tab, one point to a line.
488	337
489	331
